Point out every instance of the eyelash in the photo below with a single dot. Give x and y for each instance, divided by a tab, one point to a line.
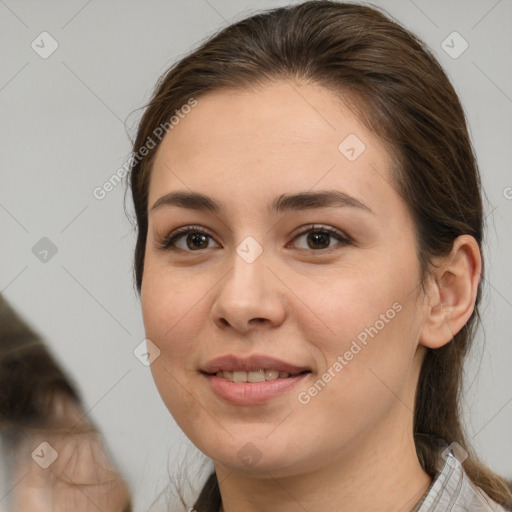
167	243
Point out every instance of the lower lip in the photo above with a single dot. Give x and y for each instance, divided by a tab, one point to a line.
252	393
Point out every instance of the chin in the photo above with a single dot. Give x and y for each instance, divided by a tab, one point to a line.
251	454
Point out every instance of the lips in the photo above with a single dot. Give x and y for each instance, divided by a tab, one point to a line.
253	380
255	364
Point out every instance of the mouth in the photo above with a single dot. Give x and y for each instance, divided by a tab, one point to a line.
254	368
261	375
251	380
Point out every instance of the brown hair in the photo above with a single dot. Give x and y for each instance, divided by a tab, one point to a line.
401	93
39	401
30	378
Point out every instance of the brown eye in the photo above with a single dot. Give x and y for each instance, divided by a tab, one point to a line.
196	241
193	239
189	238
319	238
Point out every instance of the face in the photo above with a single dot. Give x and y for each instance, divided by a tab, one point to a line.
321	292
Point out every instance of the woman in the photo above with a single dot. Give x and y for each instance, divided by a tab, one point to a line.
52	456
309	264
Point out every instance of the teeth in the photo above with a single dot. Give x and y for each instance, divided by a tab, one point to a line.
271	374
239	376
257	376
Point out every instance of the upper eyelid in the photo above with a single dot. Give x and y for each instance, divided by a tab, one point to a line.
185	230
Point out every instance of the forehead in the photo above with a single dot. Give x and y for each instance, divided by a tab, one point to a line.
255	144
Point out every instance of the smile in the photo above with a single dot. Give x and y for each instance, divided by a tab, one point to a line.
261	375
242	391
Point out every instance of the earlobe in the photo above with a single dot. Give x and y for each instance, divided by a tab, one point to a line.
452	293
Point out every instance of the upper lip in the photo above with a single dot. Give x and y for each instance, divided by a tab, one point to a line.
232	363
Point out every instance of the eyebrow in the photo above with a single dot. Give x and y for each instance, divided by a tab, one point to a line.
284	203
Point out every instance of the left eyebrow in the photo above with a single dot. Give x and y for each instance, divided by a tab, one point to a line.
284	203
317	199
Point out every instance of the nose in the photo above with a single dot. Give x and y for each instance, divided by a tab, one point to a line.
249	296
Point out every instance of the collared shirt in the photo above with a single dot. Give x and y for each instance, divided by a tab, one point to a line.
452	491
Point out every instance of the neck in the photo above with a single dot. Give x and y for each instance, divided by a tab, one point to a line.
383	475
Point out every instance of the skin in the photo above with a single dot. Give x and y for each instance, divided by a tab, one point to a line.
82	478
296	302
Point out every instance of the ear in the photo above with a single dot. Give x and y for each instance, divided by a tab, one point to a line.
452	292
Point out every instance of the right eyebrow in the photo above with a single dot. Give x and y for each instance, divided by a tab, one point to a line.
190	200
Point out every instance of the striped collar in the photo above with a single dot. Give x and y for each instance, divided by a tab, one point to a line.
452	490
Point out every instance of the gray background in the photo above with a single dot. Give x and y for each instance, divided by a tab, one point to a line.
64	124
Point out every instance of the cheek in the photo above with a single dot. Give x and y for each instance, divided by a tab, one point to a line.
370	328
366	373
366	339
170	303
354	302
170	307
